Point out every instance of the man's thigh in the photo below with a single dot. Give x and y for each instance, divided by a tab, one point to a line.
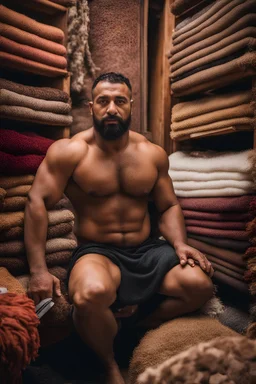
91	269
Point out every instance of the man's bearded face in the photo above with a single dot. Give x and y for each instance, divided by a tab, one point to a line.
111	127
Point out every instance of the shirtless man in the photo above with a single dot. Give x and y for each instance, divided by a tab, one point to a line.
109	173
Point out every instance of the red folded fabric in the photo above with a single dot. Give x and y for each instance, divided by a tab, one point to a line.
32	53
216	224
217	204
28	24
218	216
229	234
231	281
31	39
23	144
19	165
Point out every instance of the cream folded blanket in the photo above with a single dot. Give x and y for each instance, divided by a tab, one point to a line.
213	184
208	176
206	105
212	192
20	190
15	99
28	114
210	161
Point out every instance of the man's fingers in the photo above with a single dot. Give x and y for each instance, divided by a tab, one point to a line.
56	284
183	260
191	262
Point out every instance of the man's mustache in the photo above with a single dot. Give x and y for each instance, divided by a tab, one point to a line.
118	119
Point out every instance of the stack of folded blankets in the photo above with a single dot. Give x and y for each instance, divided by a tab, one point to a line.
214	114
31	46
215	190
214	47
41	105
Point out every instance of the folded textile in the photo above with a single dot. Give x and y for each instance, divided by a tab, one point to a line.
246	185
220	204
218	118
16	248
8	60
180	175
210	161
14	203
226	267
216	76
7	182
211	192
32	40
19	165
12	98
65	3
218	32
23	144
251	227
230	281
222	233
17	233
8	281
252	205
230	244
16	219
44	93
206	105
233	47
28	114
217	216
20	190
179	6
11	46
227	271
28	24
2	194
213	15
226	255
216	224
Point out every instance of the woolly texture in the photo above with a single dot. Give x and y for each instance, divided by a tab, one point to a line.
19	338
223	360
79	56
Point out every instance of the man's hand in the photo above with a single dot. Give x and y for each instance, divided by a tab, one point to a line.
127	311
192	256
43	285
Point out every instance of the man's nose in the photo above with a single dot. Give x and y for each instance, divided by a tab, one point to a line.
112	108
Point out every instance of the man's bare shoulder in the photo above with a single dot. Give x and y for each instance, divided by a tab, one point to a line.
152	150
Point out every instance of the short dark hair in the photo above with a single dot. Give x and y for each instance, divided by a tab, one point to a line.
112	77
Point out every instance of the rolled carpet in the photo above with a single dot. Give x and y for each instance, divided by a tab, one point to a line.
28	24
23	144
19	165
31	39
11	46
11	98
28	114
45	93
220	204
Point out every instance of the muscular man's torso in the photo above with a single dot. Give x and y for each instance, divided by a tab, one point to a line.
110	192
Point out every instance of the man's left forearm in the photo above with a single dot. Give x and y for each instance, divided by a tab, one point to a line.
172	226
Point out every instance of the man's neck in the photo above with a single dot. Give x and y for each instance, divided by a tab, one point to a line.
112	146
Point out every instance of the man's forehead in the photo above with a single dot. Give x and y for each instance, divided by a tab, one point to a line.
105	88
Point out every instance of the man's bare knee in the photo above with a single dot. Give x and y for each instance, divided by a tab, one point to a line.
197	287
95	295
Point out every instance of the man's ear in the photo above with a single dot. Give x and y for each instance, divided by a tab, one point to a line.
90	106
131	105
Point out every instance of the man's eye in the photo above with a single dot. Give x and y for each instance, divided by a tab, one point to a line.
120	102
103	102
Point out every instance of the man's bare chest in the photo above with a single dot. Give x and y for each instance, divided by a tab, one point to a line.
131	175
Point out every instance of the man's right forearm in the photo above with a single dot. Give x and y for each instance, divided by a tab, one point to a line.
35	233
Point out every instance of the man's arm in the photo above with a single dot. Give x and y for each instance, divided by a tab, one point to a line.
171	223
47	189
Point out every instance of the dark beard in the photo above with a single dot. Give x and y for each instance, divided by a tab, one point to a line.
113	131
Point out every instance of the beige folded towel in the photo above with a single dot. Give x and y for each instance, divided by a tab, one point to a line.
20	190
14	181
8	281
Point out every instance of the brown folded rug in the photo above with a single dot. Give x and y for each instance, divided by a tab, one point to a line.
216	224
28	24
30	115
14	203
31	39
218	216
231	257
12	98
227	271
221	32
237	285
11	46
7	60
20	190
44	93
229	244
217	76
224	233
180	6
229	266
217	204
2	194
8	281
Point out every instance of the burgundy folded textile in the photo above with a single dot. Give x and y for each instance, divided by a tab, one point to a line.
32	40
227	271
44	93
7	60
252	209
230	244
230	281
216	224
23	144
19	165
218	216
228	233
28	24
217	204
221	264
226	255
32	53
